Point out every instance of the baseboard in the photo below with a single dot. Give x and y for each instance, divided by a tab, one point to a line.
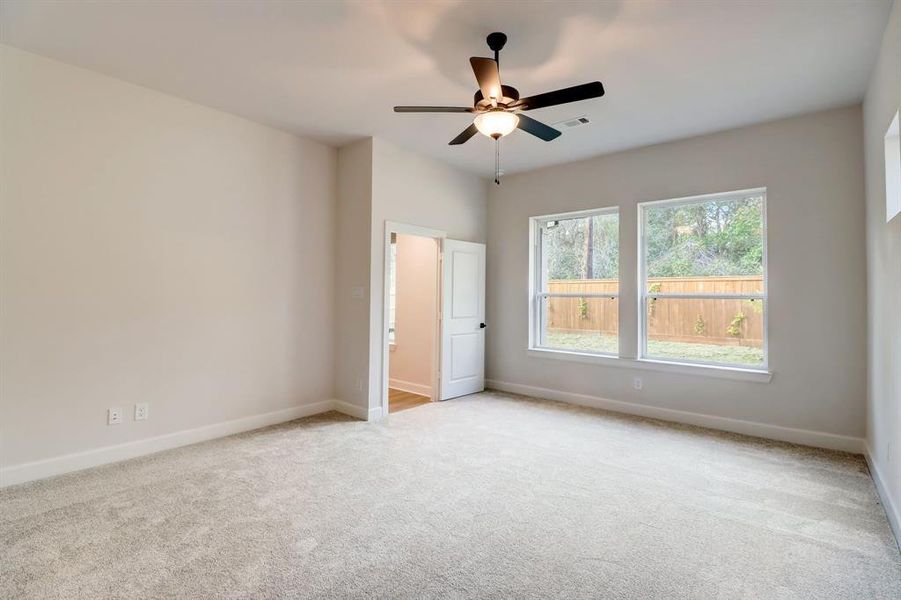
885	496
352	410
109	454
409	386
804	437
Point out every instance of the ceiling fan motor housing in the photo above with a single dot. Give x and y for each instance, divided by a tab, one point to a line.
510	93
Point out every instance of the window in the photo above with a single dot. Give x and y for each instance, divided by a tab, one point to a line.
703	280
575	291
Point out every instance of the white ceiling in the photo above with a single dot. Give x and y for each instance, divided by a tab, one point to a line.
333	70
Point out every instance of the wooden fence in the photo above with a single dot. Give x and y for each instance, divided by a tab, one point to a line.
703	321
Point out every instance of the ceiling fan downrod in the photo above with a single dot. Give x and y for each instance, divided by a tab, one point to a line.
496	42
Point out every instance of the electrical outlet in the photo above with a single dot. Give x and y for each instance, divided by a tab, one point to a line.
142	410
114	416
888	452
637	383
359	384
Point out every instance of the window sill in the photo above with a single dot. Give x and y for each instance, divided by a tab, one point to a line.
647	364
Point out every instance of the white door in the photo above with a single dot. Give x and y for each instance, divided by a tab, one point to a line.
463	319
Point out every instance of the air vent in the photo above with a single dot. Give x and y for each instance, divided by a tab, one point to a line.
572	123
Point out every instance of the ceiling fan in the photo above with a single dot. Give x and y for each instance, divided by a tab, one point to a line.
498	108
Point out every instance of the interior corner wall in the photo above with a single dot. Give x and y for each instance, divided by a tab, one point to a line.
153	250
811	166
415	190
882	99
352	278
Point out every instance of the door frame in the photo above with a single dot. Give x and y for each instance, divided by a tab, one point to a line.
394	227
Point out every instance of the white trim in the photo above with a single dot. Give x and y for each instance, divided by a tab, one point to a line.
892	512
711	296
408	229
892	151
611	295
77	461
644	294
805	437
352	410
409	386
647	364
537	282
683	200
577	214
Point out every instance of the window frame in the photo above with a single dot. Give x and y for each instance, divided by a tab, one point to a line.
644	294
537	293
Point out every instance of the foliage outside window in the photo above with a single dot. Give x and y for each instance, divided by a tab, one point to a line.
703	279
576	274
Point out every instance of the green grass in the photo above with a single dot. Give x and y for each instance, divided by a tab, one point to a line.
715	353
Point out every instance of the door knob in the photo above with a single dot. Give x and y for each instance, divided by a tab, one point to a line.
482	326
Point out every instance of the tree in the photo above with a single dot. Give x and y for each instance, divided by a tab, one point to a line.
720	237
583	248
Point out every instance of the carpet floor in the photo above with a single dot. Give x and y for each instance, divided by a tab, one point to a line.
487	496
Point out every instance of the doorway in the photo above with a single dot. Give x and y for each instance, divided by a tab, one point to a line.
445	289
413	309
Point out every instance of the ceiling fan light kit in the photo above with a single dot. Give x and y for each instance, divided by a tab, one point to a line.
498	108
496	123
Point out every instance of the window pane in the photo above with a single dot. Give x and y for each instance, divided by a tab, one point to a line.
702	242
581	324
581	254
726	331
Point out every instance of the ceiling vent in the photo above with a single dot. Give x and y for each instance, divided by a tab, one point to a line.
572	123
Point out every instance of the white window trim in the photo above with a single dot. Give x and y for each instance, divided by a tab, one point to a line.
535	279
643	293
647	364
718	371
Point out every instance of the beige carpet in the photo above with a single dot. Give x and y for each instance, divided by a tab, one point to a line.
489	496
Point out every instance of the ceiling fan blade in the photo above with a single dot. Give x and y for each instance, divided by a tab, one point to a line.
464	136
537	128
432	109
595	89
488	76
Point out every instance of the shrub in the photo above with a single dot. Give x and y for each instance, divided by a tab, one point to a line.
700	325
734	328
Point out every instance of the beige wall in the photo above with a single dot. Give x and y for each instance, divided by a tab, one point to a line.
813	170
416	314
884	275
154	250
351	377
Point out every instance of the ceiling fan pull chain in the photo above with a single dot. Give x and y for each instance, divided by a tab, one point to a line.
497	160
